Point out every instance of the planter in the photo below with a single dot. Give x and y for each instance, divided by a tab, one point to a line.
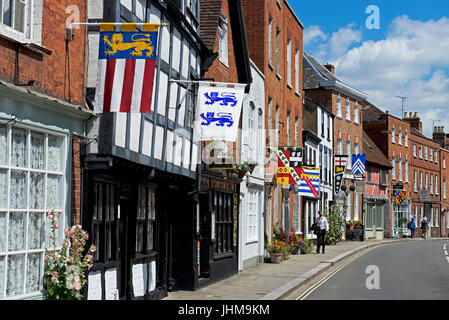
296	250
275	257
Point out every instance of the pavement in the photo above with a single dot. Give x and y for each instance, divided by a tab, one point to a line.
270	281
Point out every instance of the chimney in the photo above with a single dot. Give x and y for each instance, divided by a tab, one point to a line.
330	67
415	121
439	136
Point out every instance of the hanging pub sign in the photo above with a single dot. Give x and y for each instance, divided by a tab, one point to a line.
126	64
218	111
358	163
289	165
340	162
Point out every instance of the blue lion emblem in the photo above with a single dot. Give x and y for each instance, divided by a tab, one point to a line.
226	98
221	119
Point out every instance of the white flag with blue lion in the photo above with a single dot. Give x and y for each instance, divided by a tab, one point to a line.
218	111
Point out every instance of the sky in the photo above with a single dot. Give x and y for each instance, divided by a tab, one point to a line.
406	54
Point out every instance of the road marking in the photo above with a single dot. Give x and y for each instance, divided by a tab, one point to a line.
445	252
447	258
318	284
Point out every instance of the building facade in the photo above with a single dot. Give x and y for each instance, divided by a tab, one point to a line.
42	124
346	103
252	199
143	161
275	45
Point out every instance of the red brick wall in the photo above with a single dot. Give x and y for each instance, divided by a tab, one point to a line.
48	71
444	177
76	182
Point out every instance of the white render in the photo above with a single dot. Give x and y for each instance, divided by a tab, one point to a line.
251	228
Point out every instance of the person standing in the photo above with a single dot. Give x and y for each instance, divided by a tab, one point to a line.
323	226
424	227
412	227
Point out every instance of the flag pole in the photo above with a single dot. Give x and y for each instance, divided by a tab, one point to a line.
114	23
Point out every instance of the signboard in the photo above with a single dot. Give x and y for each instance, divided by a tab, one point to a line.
340	162
358	164
357	233
424	195
360	187
353	177
289	165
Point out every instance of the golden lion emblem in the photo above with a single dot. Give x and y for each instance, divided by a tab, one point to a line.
139	45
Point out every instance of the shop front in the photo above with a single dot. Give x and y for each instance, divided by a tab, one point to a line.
375	209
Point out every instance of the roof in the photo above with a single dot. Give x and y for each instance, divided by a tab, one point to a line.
372	113
209	17
373	153
315	76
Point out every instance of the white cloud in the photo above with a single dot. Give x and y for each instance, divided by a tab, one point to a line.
313	33
412	61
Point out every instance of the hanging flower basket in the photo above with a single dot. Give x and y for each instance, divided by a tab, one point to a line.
241	173
275	257
344	187
252	166
352	187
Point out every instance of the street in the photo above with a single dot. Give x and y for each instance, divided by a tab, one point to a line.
403	271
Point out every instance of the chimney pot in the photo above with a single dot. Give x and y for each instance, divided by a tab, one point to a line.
330	67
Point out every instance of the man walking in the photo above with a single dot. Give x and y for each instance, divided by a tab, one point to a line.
323	227
412	227
424	227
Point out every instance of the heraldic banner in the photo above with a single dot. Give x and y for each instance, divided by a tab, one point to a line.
126	64
218	111
289	165
309	184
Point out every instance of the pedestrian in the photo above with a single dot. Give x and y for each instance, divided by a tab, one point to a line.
412	227
322	227
424	227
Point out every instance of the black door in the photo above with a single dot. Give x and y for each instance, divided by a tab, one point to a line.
204	235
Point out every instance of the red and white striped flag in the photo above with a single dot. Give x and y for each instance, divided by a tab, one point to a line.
126	66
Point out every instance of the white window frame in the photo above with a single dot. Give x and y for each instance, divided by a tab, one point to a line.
436	184
431	184
223	48
393	170
356	113
278	52
435	154
400	136
393	133
444	162
289	62
348	110
425	153
349	153
420	152
415	181
420	180
339	111
400	167
444	189
45	242
297	71
251	222
406	139
270	40
406	170
414	151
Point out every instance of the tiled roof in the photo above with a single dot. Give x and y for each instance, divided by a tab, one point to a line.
314	72
373	153
209	17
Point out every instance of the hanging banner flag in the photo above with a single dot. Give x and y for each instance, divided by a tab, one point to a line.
289	164
399	197
309	184
218	111
358	163
126	64
340	162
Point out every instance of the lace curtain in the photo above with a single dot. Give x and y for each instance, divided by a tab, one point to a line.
21	229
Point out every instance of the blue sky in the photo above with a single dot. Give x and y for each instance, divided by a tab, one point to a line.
407	56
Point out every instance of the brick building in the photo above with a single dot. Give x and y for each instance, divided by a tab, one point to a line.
391	135
346	103
274	35
442	138
42	123
425	172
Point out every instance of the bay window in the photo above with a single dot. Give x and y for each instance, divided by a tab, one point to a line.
32	182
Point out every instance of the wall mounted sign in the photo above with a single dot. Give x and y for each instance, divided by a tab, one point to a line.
289	165
358	163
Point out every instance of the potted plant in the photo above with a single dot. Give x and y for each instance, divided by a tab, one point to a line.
294	242
276	249
251	164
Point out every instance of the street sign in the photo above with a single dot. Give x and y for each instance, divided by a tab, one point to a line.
358	164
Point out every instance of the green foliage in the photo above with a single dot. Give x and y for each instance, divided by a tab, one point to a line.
336	222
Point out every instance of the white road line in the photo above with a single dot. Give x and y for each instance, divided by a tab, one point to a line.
447	258
314	287
445	252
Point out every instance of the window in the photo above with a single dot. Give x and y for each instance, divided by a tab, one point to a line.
430	155
32	182
104	221
297	70
339	146
348	111
393	135
425	153
400	136
278	52
420	181
431	184
444	161
406	170
415	181
296	132
406	138
427	181
393	170
277	124
400	167
339	112
289	129
252	136
223	39
325	166
251	217
356	113
435	156
414	150
420	152
16	15
328	128
223	222
289	62
349	153
193	6
270	40
436	184
322	123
